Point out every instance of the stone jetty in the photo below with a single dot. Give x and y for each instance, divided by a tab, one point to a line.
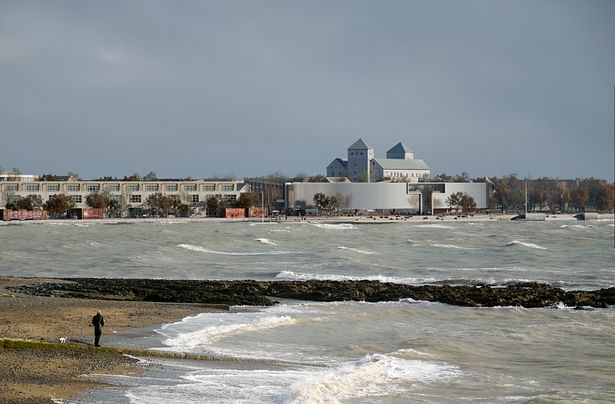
266	293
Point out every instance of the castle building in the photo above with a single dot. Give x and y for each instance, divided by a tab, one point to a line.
361	166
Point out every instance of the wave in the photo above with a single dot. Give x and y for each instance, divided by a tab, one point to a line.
207	335
524	244
265	241
435	226
205	250
329	226
453	246
296	276
356	250
374	375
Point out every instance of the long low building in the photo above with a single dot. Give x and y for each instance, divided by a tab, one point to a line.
131	194
419	198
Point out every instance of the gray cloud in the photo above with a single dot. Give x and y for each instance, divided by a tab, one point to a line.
205	88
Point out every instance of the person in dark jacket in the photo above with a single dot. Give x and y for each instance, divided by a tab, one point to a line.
98	322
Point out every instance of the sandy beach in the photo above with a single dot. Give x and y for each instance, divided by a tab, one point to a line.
29	376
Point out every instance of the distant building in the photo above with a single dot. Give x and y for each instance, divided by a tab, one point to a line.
361	166
415	198
130	194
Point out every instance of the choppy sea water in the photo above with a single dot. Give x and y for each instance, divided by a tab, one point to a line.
305	352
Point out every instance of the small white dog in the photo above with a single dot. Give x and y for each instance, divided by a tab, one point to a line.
62	340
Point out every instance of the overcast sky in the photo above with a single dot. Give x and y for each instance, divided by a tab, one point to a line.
248	88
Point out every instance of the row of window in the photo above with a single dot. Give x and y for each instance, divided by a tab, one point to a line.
137	198
116	187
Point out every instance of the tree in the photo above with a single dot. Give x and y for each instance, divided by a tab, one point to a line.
246	200
320	200
98	201
115	208
579	196
151	176
215	204
467	203
58	205
454	201
159	203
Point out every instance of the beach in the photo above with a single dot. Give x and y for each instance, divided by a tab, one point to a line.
40	376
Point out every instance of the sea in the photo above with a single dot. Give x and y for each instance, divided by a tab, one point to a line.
350	352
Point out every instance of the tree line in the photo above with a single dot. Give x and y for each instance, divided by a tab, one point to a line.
551	195
156	205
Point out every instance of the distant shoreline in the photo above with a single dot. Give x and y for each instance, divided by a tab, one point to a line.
377	219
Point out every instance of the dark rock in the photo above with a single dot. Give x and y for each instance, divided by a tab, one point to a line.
259	293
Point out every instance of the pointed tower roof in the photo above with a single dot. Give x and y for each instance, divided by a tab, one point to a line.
359	144
400	148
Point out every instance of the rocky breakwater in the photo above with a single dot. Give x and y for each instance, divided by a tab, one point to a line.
264	293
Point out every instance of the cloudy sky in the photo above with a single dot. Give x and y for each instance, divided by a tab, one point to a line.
251	87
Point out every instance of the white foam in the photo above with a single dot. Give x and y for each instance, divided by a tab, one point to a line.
356	250
289	275
372	376
435	226
453	246
329	226
265	241
524	244
205	250
211	333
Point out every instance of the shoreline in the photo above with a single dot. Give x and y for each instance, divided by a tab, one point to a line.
30	375
375	219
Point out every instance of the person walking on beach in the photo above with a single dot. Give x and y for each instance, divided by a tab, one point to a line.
98	322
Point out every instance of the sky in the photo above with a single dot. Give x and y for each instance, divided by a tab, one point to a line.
243	88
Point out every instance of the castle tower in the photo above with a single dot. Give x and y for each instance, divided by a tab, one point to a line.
360	156
400	152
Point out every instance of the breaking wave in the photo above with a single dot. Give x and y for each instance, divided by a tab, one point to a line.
295	276
435	226
207	335
356	250
330	226
372	376
453	246
265	241
524	244
205	250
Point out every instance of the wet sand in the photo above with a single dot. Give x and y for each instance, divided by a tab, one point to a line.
29	376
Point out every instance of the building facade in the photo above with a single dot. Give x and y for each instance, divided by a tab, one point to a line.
417	198
361	166
130	194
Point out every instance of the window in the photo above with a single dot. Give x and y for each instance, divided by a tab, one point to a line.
32	188
93	187
12	187
227	187
133	187
53	187
195	199
73	187
76	198
135	198
170	188
113	187
117	198
230	198
151	187
190	187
